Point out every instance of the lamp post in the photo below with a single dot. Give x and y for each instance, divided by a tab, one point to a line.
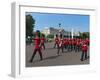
60	30
59	24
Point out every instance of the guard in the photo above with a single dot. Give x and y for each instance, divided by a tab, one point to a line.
56	41
84	52
60	43
37	46
43	41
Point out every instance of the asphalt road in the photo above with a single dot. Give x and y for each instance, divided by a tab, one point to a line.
50	57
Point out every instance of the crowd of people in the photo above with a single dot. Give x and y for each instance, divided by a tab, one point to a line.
61	43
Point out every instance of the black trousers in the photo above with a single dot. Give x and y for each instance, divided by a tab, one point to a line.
42	45
77	48
34	53
62	47
55	45
65	46
69	47
84	55
74	46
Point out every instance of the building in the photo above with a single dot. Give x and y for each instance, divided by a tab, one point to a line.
54	31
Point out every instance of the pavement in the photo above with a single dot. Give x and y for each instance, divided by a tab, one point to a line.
51	58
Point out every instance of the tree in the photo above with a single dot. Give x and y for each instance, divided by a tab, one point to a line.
84	35
50	36
30	23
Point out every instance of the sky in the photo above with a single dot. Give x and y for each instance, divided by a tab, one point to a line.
68	21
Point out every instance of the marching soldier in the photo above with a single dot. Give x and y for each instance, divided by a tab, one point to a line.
60	43
87	41
74	44
43	41
69	45
84	49
56	41
37	46
65	45
77	46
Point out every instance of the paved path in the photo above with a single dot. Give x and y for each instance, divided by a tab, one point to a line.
50	57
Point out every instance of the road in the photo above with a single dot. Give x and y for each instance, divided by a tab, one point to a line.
50	57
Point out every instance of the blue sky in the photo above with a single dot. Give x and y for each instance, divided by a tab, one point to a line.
68	21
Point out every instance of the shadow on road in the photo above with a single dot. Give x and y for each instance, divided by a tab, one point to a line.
51	57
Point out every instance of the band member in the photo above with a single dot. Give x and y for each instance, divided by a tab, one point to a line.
84	52
87	41
74	44
37	46
43	41
69	45
60	43
65	41
56	41
77	46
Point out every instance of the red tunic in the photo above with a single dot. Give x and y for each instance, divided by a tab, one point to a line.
77	43
87	41
84	47
74	42
65	40
69	42
37	43
56	40
42	40
61	42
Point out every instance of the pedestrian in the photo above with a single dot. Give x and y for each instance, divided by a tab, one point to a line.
84	49
43	41
37	46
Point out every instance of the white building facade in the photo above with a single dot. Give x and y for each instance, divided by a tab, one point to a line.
55	31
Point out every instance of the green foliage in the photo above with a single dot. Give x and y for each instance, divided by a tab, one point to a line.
84	35
29	25
50	36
